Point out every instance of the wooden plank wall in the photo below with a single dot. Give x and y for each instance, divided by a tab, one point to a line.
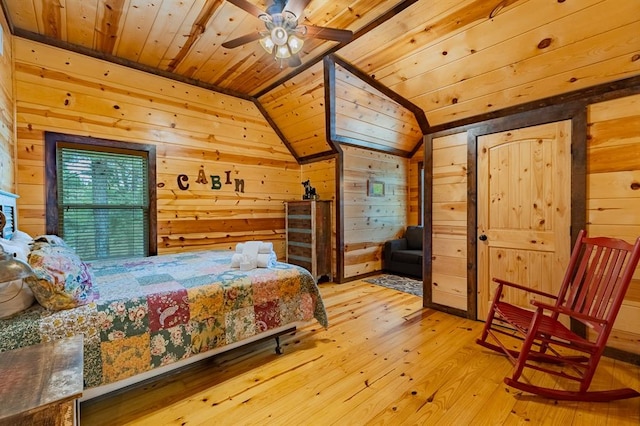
322	175
415	186
7	130
298	108
194	130
449	236
370	221
613	195
367	115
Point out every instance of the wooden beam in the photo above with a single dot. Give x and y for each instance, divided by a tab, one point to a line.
197	29
126	63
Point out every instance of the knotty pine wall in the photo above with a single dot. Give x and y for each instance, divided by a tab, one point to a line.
413	208
370	221
613	195
449	221
193	129
7	131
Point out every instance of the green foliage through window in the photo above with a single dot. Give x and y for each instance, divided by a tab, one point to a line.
103	202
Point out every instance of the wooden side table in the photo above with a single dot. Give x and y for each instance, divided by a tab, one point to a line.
41	384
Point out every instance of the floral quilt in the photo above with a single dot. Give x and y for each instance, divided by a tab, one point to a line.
154	311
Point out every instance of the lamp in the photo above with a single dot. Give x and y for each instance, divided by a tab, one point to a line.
12	268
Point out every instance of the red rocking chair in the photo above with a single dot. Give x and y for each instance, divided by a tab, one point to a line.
597	278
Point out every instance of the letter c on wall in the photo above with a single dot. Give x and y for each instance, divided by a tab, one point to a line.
183	178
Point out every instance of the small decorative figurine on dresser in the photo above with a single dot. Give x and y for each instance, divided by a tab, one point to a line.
309	191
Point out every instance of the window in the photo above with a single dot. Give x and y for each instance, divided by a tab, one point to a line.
101	196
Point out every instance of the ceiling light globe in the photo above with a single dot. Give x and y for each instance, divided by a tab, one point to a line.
282	52
279	36
267	44
295	44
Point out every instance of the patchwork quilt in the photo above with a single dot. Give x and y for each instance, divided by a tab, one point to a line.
154	311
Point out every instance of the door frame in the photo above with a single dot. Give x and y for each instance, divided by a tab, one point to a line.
576	112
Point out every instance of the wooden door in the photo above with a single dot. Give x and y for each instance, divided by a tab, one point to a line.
524	210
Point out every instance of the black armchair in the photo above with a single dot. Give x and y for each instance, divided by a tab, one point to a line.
404	256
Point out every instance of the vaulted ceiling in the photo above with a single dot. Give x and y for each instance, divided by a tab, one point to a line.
411	64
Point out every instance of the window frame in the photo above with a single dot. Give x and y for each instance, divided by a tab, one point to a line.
55	140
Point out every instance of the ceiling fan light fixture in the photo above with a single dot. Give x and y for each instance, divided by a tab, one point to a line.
279	36
295	44
283	52
267	44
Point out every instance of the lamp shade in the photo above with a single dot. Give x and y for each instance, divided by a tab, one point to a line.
12	268
267	44
295	44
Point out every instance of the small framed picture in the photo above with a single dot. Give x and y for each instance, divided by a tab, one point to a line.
375	188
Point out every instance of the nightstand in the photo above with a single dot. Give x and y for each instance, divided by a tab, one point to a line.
41	384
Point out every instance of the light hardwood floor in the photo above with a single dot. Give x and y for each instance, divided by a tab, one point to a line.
383	360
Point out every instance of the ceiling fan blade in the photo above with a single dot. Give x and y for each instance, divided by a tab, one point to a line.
294	61
326	33
297	7
247	7
236	42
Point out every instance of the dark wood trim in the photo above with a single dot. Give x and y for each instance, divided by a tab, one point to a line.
327	155
126	63
630	357
472	223
421	187
52	140
5	11
358	143
579	135
329	73
362	31
427	224
589	95
339	217
276	129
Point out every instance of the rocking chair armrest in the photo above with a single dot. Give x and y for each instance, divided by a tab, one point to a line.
521	287
568	312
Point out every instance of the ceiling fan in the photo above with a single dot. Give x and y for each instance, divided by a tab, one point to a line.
284	37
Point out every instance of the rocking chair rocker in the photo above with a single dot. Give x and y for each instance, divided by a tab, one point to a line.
598	275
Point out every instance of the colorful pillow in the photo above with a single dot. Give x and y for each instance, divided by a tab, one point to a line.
54	240
61	279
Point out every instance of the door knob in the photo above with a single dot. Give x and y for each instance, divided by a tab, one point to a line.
482	237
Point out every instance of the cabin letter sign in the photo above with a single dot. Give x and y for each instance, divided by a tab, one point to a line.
216	181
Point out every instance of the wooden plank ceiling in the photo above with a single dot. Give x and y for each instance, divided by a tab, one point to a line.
412	64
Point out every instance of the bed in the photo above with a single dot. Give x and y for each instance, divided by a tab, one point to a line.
150	315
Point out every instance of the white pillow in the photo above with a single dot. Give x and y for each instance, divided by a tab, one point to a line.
21	237
17	249
15	297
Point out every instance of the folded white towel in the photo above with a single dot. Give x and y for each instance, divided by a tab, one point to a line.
236	259
254	254
266	248
251	249
267	260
